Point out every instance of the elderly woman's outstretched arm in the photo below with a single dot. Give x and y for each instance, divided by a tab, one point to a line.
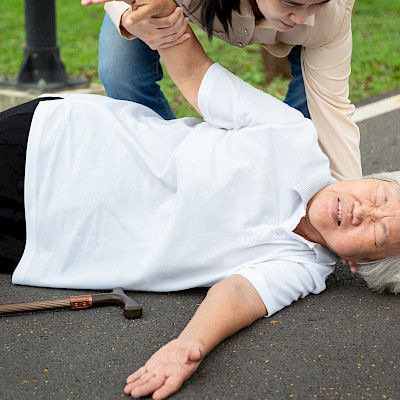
186	62
230	305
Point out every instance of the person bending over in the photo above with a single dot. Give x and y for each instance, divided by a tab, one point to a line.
315	35
111	194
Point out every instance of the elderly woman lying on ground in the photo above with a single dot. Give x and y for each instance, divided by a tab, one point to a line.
243	203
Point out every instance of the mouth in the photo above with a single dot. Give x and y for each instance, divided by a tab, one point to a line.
339	212
288	26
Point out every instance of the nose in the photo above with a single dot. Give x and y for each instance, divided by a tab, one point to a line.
364	211
299	17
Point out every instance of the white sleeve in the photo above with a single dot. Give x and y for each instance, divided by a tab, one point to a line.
228	102
281	282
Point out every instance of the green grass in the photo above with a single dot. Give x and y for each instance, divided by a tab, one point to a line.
77	34
376	50
375	63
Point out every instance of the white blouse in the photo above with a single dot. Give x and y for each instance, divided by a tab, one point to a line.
117	196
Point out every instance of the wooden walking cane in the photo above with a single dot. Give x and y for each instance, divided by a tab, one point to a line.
131	308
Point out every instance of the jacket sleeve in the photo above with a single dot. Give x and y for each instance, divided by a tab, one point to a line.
326	71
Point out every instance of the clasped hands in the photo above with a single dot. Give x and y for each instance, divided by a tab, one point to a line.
159	23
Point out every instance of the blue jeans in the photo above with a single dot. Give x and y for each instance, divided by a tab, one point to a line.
296	94
130	70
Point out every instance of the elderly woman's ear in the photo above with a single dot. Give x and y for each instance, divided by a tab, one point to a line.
351	264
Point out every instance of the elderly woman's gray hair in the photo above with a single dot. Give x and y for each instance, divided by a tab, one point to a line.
383	275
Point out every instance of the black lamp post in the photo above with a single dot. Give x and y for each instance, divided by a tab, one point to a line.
42	68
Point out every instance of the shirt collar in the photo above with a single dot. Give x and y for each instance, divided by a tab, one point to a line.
306	190
324	255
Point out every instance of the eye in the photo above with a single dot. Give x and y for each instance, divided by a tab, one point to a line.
379	197
382	197
288	5
375	241
317	6
380	234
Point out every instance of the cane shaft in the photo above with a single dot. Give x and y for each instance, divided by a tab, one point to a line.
131	308
34	306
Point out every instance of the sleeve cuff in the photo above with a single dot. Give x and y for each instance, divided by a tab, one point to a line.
214	79
115	10
256	279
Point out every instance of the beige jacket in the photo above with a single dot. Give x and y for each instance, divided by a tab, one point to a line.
327	43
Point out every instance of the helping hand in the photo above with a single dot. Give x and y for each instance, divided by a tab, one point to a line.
144	8
166	370
157	33
91	2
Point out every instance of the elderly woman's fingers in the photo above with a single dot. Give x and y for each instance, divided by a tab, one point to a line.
153	384
171	385
142	380
136	375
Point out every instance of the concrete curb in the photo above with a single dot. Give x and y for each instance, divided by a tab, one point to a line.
10	96
377	108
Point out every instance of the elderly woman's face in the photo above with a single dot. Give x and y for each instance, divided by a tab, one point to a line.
358	220
284	15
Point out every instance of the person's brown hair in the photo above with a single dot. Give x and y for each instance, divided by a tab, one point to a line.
222	9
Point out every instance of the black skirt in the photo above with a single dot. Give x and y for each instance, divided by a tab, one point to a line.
15	124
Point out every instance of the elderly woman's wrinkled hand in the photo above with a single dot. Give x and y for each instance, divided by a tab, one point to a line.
166	370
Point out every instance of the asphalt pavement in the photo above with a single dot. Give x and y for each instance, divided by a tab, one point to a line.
341	344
